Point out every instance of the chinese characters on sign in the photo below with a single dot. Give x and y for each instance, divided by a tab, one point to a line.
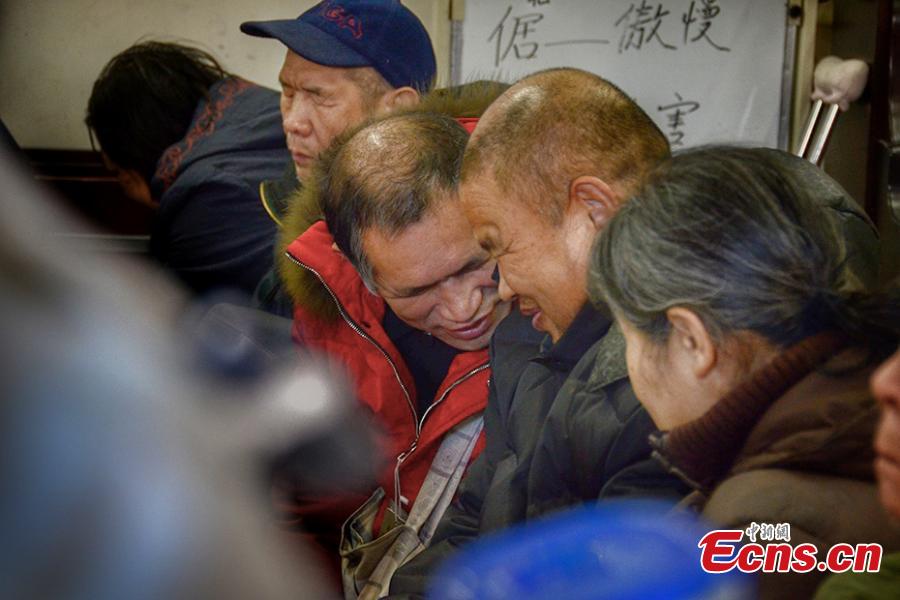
643	24
707	12
520	35
675	114
705	71
513	35
640	26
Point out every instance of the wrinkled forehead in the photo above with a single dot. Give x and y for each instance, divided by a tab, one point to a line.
481	198
500	218
297	71
493	211
438	246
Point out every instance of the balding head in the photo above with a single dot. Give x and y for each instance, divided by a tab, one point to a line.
388	193
387	175
555	125
549	164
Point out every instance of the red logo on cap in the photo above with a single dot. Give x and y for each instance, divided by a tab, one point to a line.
339	15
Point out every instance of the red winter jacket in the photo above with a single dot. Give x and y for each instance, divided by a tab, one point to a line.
358	343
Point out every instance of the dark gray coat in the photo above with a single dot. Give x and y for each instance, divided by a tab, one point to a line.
562	427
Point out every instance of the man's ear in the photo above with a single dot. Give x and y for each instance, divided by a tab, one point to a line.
691	340
594	196
136	187
402	97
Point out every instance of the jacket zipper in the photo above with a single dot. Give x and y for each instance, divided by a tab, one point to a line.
361	333
404	455
418	422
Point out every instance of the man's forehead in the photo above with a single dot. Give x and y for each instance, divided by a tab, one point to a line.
498	218
435	247
443	223
296	67
481	198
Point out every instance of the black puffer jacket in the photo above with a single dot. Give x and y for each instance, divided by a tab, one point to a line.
562	427
594	443
853	224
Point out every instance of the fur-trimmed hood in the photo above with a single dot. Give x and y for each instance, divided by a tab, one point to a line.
466	101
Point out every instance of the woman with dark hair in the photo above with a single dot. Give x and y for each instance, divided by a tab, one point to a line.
749	351
194	142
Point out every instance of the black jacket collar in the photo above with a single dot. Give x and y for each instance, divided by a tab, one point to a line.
588	326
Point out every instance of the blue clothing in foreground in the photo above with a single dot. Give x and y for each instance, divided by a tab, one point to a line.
211	229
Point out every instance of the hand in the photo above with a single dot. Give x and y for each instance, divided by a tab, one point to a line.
837	81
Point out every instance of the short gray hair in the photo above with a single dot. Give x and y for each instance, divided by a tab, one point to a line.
387	175
728	233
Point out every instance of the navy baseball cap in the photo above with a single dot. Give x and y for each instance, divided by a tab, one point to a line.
382	34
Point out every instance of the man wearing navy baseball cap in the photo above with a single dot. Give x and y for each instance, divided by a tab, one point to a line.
346	60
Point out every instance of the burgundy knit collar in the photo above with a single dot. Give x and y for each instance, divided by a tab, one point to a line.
701	452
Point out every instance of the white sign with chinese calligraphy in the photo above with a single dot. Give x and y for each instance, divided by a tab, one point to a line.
706	71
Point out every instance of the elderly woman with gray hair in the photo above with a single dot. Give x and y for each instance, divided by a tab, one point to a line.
728	281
